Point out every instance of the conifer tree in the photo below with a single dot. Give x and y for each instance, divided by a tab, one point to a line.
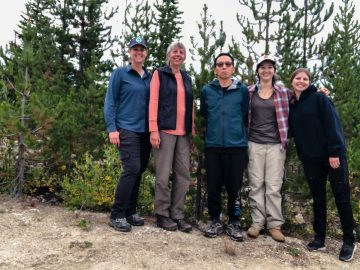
168	25
159	25
83	37
312	25
20	117
70	39
288	51
259	30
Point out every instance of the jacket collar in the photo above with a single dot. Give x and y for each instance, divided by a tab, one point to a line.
128	69
310	90
233	85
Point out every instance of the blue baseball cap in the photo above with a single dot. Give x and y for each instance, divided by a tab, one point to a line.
137	41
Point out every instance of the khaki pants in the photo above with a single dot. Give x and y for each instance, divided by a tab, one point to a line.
266	171
173	155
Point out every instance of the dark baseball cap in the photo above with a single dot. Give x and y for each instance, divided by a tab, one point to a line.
137	41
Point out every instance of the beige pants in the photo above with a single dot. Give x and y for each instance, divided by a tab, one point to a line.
173	155
266	171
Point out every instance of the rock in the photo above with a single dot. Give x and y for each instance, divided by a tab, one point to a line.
299	219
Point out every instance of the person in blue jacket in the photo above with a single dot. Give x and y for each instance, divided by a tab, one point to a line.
224	105
126	117
320	144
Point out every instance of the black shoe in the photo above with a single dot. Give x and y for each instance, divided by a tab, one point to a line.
120	224
183	226
135	220
234	231
315	245
347	252
166	223
213	229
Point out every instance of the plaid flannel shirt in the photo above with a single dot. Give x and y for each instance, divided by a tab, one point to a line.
282	96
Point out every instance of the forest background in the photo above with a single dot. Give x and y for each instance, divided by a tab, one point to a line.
54	74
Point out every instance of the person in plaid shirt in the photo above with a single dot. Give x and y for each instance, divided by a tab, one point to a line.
268	137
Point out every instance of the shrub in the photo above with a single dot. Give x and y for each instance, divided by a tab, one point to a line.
92	182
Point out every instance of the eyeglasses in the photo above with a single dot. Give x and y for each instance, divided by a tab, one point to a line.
221	64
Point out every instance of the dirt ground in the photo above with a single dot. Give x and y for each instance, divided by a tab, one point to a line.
36	235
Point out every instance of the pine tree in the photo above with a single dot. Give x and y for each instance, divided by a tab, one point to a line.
265	13
159	25
69	41
312	25
83	36
288	51
20	117
168	25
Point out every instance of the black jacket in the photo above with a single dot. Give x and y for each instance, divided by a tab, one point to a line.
167	109
315	126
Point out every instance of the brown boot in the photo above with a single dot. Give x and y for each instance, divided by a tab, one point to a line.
276	234
253	232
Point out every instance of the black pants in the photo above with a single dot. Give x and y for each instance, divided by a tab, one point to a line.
224	168
316	175
134	152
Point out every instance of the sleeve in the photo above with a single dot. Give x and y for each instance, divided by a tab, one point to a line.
203	106
112	100
154	101
333	130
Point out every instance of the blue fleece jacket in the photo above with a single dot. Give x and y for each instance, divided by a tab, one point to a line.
315	126
127	100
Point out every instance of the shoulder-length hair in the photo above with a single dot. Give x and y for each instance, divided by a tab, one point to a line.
172	46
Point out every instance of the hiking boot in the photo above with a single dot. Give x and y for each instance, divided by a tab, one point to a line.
276	234
347	252
183	226
234	231
135	220
315	245
120	224
253	232
213	229
166	223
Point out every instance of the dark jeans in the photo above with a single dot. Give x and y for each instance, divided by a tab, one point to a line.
134	152
224	168
316	175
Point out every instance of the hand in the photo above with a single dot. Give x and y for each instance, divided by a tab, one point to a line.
324	91
334	162
155	139
114	138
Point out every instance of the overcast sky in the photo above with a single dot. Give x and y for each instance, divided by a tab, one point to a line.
225	10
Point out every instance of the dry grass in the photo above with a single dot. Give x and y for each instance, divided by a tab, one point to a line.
229	247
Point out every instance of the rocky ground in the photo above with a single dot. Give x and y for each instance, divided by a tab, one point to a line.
36	235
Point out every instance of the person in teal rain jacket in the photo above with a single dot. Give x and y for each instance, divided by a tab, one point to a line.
224	105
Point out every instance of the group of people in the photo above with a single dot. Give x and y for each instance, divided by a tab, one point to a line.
146	111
